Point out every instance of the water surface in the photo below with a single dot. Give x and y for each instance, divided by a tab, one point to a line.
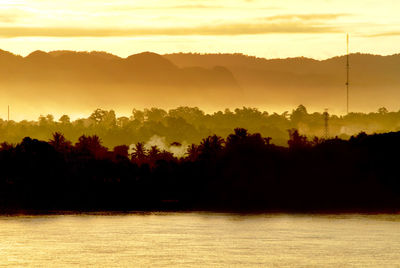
200	239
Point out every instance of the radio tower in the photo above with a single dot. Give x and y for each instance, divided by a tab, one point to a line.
8	113
347	74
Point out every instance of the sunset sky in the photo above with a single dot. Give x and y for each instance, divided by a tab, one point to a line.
274	28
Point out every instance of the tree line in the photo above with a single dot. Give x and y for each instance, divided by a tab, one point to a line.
190	125
242	172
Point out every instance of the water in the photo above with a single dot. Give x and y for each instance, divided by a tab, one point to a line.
200	239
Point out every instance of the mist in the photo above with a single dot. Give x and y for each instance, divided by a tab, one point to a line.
177	149
76	83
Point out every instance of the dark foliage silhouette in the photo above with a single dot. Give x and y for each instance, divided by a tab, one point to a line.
244	172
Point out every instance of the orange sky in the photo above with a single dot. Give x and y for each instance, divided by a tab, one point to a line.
274	28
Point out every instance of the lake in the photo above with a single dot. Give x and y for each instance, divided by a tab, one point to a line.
200	239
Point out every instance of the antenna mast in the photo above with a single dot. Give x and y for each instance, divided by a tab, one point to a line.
8	113
347	74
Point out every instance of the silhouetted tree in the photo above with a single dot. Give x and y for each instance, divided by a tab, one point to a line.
154	114
382	110
121	151
64	119
98	116
297	141
210	147
91	145
299	114
139	153
153	153
138	115
60	143
192	152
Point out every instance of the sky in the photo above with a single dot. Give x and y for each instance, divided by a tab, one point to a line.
270	29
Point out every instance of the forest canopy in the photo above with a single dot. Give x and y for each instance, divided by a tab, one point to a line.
188	125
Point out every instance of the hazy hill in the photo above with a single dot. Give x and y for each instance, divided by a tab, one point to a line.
78	82
375	80
70	81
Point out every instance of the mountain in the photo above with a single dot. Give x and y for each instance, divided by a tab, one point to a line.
68	81
79	82
374	79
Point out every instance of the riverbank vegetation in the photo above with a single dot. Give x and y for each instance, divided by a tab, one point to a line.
241	172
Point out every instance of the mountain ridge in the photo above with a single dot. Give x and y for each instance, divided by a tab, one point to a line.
71	81
106	54
211	81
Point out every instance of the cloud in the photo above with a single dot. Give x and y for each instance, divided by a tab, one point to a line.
8	17
190	5
305	17
11	15
214	7
395	33
210	30
196	7
130	8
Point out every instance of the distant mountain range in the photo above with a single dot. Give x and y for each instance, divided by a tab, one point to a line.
374	79
69	81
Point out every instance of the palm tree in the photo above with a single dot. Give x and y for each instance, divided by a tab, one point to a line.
192	152
60	143
211	146
91	145
154	153
139	152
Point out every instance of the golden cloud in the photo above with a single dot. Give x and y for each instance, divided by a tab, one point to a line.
9	17
211	30
305	17
396	33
